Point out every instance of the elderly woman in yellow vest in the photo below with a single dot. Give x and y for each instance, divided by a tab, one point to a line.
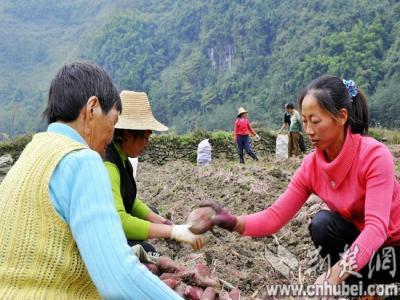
131	137
61	237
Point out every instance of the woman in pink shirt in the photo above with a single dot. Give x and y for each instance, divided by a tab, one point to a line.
242	130
353	174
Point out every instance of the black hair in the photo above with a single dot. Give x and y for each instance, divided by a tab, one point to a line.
118	134
289	105
332	95
73	85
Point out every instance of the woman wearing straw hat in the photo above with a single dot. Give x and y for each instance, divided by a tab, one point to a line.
131	136
242	130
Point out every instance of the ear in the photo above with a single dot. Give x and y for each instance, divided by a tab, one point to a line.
91	106
342	116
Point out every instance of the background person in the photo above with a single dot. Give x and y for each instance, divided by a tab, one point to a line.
353	174
131	137
61	237
295	129
286	120
242	131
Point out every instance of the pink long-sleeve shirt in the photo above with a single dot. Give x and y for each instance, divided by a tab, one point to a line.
359	184
243	127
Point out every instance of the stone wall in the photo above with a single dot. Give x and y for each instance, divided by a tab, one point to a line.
164	148
6	162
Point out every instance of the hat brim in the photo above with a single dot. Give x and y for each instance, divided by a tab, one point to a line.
140	124
241	113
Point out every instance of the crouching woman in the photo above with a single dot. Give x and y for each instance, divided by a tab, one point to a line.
353	174
139	221
60	235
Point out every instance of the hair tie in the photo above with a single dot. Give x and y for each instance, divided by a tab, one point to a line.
351	88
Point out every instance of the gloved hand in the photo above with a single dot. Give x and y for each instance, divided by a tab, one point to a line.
172	244
182	233
223	217
257	137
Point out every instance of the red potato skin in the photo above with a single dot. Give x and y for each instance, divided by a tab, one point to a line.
152	268
180	289
190	283
203	276
171	282
167	265
187	276
208	294
224	295
193	292
235	294
201	219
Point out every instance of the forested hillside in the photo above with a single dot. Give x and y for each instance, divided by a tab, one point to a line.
200	60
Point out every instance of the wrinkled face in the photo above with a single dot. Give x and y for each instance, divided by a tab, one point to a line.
102	129
134	146
325	132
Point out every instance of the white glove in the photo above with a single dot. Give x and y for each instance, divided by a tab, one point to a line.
181	233
257	138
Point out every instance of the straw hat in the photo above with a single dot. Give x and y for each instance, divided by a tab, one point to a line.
241	111
136	113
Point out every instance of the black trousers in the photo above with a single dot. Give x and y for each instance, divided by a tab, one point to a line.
149	248
243	142
332	234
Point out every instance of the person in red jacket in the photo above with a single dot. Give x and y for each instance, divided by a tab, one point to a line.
242	130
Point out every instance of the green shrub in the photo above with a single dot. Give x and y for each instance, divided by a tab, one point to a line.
15	146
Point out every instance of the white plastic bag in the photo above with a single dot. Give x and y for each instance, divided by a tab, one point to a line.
204	153
134	162
281	151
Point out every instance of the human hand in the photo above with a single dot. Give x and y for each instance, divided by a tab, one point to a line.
223	218
167	222
200	219
323	280
182	233
172	244
257	137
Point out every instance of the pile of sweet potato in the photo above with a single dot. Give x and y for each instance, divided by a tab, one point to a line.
195	284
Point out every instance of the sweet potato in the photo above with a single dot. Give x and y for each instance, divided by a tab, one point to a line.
152	268
203	276
235	294
193	292
174	276
208	294
166	264
224	295
186	276
180	289
172	283
200	219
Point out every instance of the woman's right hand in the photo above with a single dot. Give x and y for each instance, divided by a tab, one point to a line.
182	233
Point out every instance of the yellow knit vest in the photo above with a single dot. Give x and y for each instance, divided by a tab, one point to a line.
38	256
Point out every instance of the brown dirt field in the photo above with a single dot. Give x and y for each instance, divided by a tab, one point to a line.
178	187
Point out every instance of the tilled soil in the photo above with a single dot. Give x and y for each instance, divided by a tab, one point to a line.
250	264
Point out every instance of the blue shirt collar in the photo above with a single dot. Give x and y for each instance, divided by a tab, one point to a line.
65	130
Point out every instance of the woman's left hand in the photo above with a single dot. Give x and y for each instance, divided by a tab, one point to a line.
182	233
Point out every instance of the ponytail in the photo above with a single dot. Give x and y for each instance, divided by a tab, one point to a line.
358	114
